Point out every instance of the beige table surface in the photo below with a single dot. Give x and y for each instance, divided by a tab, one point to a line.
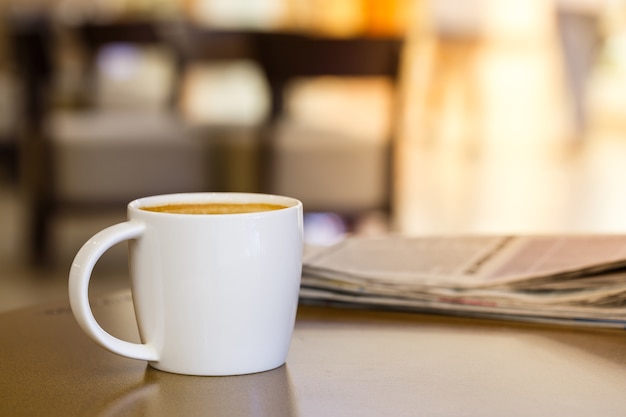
341	363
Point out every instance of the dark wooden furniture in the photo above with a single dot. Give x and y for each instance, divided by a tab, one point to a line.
282	57
285	57
34	41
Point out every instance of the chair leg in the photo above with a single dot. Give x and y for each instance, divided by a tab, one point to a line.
36	185
39	234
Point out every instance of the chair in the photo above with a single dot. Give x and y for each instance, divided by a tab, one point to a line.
113	147
327	171
225	95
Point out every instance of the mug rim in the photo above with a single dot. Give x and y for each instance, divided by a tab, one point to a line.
138	204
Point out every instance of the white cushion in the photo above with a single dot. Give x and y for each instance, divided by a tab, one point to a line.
328	171
120	155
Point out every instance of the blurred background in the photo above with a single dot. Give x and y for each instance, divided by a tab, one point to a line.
418	117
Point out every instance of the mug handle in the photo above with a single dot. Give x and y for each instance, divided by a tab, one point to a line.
80	275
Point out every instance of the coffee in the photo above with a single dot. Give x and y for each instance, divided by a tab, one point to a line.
214	208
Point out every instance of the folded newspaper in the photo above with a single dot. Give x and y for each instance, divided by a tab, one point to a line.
577	279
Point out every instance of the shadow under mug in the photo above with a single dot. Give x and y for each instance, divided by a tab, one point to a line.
214	294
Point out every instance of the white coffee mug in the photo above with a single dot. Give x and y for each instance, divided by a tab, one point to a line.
214	294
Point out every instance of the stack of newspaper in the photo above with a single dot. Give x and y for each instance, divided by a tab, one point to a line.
563	279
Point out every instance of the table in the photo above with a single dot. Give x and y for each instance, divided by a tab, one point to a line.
341	363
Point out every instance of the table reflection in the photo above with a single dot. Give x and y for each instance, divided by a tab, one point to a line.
163	394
